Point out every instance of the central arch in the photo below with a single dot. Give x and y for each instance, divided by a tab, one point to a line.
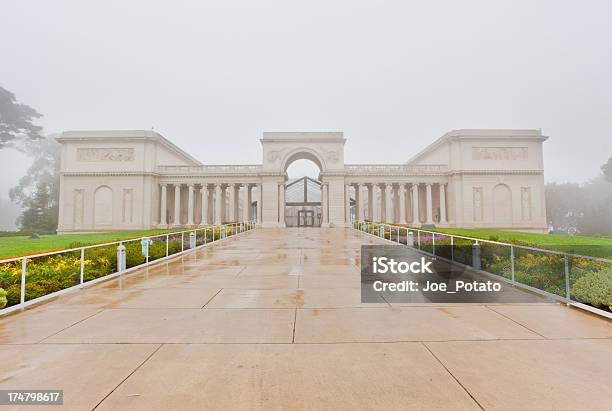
303	153
303	192
280	150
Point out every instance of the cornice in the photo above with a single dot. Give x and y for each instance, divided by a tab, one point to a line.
535	172
303	140
108	173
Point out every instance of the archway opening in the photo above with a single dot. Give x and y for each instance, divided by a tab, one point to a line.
303	193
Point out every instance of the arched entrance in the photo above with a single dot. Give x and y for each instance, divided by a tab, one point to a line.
326	151
303	194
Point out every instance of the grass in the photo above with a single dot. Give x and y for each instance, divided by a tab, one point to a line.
17	246
586	245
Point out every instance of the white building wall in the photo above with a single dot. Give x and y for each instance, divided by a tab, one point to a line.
133	164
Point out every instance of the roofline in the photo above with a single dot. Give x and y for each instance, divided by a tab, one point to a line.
476	133
303	136
110	135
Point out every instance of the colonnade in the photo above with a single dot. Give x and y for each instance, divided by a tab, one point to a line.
401	203
218	203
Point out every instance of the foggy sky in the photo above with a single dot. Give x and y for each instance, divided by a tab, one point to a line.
394	76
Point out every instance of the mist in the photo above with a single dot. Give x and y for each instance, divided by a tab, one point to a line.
393	76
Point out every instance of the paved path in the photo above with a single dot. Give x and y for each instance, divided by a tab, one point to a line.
273	320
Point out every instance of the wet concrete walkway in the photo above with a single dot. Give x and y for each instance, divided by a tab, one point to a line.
273	320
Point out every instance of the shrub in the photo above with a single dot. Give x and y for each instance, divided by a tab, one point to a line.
3	299
595	288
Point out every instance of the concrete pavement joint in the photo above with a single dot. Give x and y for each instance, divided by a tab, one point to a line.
211	298
516	322
128	376
71	325
452	375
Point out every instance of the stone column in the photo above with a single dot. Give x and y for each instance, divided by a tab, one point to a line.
259	202
358	204
246	205
236	202
218	204
223	204
347	199
177	205
388	203
415	205
374	202
204	194
190	212
324	205
232	202
281	204
429	204
401	192
210	217
163	207
443	204
369	214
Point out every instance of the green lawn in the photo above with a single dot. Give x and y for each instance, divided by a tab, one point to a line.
585	245
20	245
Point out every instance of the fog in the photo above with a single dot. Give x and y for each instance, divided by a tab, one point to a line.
394	76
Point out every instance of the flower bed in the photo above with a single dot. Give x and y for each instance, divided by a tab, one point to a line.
590	280
52	273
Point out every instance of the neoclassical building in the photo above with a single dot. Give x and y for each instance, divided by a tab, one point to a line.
132	180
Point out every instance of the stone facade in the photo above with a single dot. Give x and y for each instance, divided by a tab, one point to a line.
122	180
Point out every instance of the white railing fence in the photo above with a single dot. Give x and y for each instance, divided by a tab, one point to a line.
545	272
64	270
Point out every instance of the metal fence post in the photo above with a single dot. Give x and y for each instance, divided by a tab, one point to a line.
82	264
512	263
433	243
568	293
121	263
476	256
23	280
167	241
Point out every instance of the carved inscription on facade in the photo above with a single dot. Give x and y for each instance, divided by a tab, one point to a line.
499	153
105	154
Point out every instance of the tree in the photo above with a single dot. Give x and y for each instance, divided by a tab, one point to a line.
563	205
586	208
607	170
38	191
597	205
16	120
